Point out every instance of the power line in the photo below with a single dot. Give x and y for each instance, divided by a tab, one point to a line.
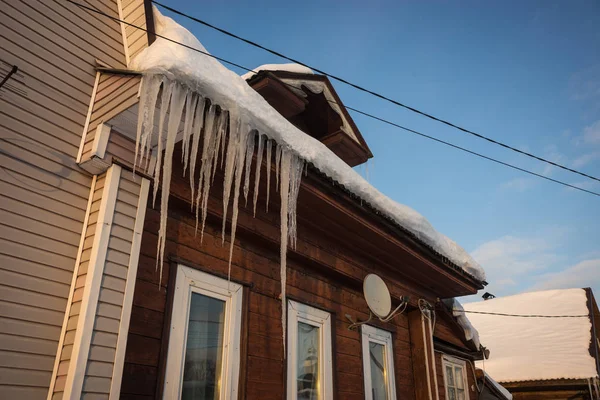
349	108
523	315
395	102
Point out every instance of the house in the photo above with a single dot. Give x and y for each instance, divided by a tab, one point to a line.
536	357
112	288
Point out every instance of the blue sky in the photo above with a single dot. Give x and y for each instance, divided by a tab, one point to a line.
525	73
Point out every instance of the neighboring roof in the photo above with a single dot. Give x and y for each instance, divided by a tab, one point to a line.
490	383
523	349
290	67
227	89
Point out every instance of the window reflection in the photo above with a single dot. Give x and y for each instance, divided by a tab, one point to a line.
308	362
204	349
378	371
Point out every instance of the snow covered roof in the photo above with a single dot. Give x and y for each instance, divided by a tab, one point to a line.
458	312
290	67
523	349
207	76
498	386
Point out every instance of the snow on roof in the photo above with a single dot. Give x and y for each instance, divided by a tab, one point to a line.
290	67
523	349
210	78
470	332
498	386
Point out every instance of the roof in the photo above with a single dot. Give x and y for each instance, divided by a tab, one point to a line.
228	90
526	349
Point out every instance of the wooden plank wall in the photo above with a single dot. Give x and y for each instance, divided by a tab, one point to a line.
43	194
255	263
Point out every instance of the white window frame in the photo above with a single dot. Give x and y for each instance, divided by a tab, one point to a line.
455	362
298	312
371	334
190	281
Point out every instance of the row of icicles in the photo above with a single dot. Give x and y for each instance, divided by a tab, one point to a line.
219	140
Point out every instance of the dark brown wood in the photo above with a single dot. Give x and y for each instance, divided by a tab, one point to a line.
423	359
150	27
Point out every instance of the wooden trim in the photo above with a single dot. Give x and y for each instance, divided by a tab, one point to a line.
88	117
71	291
85	325
380	336
100	140
134	255
166	332
422	357
150	28
123	32
243	381
316	317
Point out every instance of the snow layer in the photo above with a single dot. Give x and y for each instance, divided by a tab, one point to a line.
498	386
524	349
470	332
212	80
290	67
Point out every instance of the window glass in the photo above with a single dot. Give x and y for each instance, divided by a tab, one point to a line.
204	349
378	371
308	361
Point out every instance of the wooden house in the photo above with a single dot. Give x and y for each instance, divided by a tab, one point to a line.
84	310
539	357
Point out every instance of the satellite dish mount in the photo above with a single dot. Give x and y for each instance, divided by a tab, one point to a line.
379	301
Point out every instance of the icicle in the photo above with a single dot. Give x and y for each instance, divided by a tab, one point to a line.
269	157
248	164
296	167
196	132
220	134
230	160
205	166
190	109
164	105
244	136
149	89
259	156
284	192
278	151
176	109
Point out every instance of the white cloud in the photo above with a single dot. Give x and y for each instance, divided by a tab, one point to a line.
591	134
508	259
585	159
583	274
518	184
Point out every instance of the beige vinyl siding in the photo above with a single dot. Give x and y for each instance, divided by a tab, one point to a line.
112	288
115	94
136	39
43	193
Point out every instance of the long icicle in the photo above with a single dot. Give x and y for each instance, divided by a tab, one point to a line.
284	191
206	162
176	108
259	157
164	105
269	145
190	112
230	162
248	164
149	89
196	132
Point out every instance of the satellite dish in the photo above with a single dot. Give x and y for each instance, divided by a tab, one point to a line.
377	296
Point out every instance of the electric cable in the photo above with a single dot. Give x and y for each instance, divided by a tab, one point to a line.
347	107
383	97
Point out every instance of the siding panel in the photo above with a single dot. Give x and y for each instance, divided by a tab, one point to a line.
43	193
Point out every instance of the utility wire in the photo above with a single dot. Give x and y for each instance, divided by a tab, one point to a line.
349	108
522	315
395	102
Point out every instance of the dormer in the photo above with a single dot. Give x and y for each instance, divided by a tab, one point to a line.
309	102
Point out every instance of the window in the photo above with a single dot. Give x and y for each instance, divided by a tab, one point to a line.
309	369
204	343
455	378
378	364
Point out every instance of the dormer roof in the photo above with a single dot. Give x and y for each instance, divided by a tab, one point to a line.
310	102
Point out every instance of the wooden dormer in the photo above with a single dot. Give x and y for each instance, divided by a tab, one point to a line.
310	103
